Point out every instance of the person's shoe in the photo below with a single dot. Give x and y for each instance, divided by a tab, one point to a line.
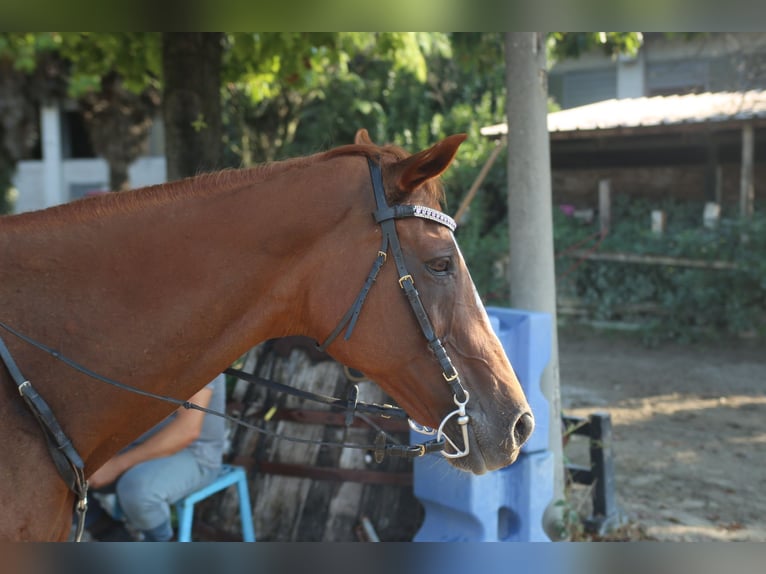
116	533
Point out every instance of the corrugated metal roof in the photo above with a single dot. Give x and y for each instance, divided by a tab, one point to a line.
654	111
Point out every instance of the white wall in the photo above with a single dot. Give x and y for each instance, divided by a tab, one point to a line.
631	76
55	180
77	176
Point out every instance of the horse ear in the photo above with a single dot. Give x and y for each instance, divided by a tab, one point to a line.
427	164
362	137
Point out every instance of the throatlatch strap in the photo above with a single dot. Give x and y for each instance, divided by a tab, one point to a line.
352	314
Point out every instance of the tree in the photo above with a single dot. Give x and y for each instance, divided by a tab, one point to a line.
29	75
118	76
293	93
118	122
191	102
115	79
270	80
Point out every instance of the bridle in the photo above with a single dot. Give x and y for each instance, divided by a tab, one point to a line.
70	465
385	216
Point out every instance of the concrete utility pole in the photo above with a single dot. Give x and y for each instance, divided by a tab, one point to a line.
530	216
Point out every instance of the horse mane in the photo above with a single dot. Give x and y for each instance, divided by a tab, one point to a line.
228	179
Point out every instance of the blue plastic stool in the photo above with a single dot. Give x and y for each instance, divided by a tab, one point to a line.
229	475
185	506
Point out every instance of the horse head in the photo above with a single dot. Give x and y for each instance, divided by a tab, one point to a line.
390	342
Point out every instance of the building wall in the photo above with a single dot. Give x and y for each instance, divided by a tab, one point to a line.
60	176
579	187
78	176
710	62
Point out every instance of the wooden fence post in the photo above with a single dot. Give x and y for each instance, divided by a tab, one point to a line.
746	181
604	205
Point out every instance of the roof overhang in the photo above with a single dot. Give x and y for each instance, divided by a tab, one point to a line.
712	111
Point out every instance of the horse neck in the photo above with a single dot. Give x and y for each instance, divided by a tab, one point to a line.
163	292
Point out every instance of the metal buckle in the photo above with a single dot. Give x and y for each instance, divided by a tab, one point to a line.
405	278
451	378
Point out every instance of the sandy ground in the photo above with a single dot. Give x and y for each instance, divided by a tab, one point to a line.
689	431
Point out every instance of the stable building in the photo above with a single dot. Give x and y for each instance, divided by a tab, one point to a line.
709	147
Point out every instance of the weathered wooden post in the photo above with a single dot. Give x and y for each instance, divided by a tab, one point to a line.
604	206
711	215
746	181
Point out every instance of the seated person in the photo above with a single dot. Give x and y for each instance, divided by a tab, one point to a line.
176	457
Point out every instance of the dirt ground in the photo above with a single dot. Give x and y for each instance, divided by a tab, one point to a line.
689	431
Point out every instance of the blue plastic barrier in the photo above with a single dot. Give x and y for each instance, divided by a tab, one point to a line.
526	340
508	504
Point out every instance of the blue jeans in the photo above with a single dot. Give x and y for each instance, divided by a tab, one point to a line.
146	491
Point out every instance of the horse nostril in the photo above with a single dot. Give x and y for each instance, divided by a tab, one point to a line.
523	428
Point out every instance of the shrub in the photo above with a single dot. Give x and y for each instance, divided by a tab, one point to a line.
671	301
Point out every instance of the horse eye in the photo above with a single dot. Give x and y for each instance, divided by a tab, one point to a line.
441	265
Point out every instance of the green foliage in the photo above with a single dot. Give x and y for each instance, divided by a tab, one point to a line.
135	56
670	301
458	99
562	45
23	48
294	93
569	526
379	85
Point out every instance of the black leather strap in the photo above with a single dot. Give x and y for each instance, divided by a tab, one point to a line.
370	408
65	457
352	314
406	451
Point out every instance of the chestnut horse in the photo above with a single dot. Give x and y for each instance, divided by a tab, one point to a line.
164	287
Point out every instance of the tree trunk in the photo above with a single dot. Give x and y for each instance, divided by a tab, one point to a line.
530	217
191	104
119	179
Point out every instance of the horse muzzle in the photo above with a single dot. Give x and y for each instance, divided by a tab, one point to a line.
492	451
470	446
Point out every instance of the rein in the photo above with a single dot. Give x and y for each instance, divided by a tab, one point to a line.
380	449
